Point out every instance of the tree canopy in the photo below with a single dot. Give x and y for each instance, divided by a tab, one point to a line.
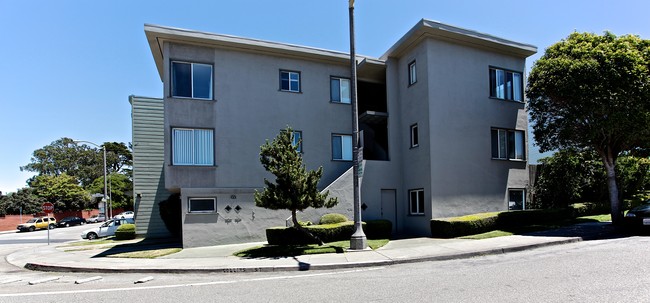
295	188
592	91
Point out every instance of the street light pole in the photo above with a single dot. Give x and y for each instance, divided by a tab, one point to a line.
358	240
110	213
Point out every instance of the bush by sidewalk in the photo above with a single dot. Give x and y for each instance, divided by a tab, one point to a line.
125	232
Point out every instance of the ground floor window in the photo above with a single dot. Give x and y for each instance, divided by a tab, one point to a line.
516	199
416	202
202	205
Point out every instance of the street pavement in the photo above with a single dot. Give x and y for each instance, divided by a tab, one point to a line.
220	259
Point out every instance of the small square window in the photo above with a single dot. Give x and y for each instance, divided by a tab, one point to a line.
415	141
506	85
342	147
413	75
202	205
191	80
416	202
340	90
290	81
516	199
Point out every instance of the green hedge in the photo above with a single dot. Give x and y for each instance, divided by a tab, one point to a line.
484	222
325	232
463	226
378	229
125	232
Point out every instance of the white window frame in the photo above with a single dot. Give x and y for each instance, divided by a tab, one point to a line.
523	198
189	205
341	100
415	135
343	154
192	64
500	88
419	194
193	146
413	73
298	81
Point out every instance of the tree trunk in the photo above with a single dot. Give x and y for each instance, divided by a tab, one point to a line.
299	227
609	161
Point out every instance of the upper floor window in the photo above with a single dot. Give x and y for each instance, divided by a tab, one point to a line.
290	81
340	90
192	146
413	74
297	140
342	147
191	80
506	85
414	136
416	201
508	144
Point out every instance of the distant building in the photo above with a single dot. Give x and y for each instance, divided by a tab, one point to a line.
442	114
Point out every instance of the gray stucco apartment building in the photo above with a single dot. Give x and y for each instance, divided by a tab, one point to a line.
442	114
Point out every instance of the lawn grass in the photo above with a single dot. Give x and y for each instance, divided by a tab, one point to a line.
274	251
92	242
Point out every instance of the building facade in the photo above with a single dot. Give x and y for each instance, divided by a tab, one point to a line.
442	116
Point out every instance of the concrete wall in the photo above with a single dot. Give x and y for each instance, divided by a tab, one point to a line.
148	162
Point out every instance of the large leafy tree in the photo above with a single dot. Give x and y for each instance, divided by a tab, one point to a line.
295	188
24	200
119	189
62	190
592	91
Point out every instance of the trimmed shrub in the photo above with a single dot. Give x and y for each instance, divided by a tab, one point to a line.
332	219
378	229
125	232
463	226
588	209
325	232
518	218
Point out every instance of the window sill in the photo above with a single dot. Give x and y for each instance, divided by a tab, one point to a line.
197	166
289	91
414	146
203	213
342	103
416	215
190	98
507	100
510	160
340	160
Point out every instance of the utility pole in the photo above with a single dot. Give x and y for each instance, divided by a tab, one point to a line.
358	240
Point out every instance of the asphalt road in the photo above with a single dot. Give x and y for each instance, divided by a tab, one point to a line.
614	270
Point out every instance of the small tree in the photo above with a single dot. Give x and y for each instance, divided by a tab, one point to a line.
295	187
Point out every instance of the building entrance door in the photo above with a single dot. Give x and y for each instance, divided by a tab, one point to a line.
389	207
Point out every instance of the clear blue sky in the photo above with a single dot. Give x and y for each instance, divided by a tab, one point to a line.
68	67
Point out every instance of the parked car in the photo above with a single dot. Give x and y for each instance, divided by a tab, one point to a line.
71	221
96	218
37	223
124	215
639	216
107	229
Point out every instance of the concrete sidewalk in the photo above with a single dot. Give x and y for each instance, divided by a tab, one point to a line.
219	259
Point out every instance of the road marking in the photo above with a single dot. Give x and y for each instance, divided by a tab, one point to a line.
82	281
11	281
44	280
143	280
81	291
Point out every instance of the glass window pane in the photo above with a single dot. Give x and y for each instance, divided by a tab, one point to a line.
516	200
502	144
335	90
414	202
493	83
511	145
345	91
337	153
519	145
203	147
182	147
421	202
181	79
297	136
495	143
202	205
294	76
295	86
517	85
346	142
500	84
509	86
202	81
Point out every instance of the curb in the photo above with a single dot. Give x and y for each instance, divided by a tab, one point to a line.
301	266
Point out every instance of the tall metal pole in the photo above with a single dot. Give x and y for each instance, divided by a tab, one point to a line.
358	240
105	191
